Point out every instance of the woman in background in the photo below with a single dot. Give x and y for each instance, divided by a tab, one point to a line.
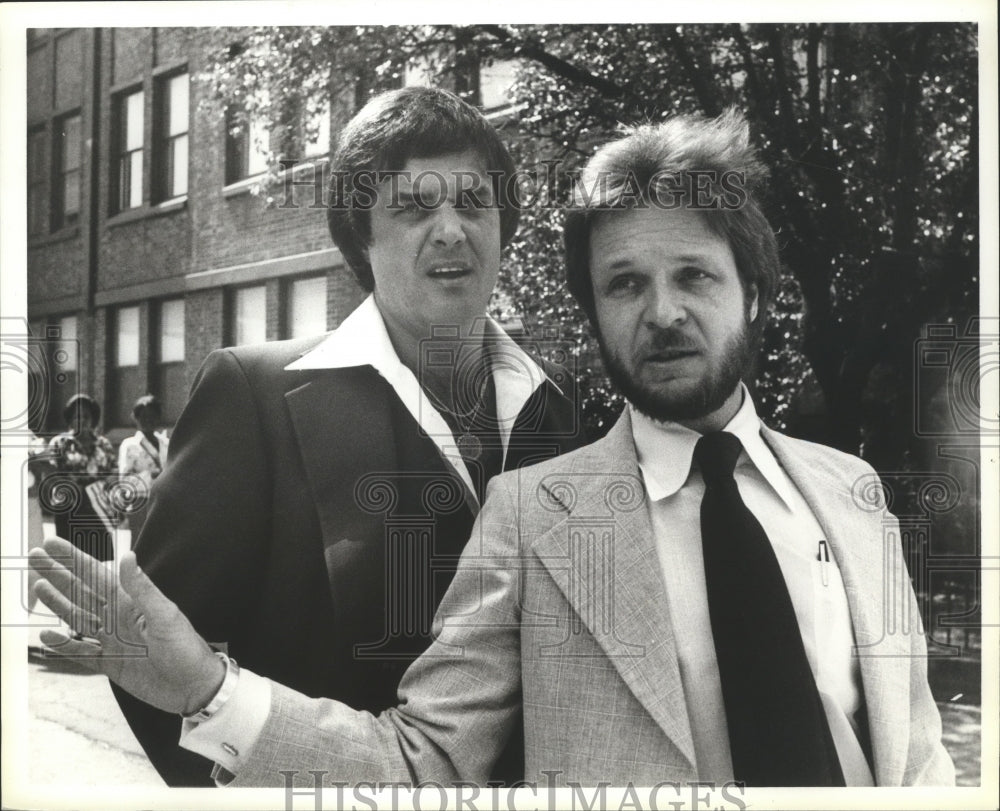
84	463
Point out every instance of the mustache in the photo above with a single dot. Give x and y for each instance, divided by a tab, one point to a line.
671	340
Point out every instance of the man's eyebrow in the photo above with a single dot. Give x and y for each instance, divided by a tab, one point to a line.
693	257
624	263
478	181
628	262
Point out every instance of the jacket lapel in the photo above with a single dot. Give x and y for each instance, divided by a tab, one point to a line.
347	436
344	431
864	546
603	559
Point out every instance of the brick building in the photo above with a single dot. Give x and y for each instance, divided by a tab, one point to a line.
147	246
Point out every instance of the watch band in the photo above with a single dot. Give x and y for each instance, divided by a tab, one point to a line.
224	693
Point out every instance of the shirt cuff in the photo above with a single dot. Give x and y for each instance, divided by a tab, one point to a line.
229	735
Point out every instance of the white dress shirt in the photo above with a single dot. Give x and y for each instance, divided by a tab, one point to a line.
665	452
362	340
139	457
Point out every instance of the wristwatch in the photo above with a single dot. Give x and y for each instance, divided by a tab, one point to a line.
224	693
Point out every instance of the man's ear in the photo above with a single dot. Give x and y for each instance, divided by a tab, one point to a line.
753	306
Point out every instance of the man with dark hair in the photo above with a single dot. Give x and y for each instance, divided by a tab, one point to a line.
694	597
392	128
320	490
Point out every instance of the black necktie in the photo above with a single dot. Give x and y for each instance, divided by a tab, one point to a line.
778	733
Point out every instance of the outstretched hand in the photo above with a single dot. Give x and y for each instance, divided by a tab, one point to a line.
137	637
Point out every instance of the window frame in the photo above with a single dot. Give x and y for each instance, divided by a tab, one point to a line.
232	314
166	144
122	158
59	218
288	301
124	381
167	377
246	140
39	207
249	144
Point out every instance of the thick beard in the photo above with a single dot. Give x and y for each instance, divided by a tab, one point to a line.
707	397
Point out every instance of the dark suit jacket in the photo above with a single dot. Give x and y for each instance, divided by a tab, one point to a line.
269	527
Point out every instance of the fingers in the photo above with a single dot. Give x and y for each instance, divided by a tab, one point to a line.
151	602
76	617
67	583
86	652
90	570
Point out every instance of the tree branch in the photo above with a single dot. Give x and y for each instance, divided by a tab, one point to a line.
558	66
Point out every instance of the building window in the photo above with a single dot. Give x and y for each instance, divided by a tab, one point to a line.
305	307
319	144
496	84
170	337
67	172
248	316
169	381
171	150
37	166
127	345
127	166
125	383
247	147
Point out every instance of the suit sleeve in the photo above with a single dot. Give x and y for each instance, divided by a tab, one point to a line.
205	536
928	762
457	703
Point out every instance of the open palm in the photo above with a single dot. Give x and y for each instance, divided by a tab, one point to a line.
138	638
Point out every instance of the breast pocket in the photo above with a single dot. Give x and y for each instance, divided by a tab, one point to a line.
834	635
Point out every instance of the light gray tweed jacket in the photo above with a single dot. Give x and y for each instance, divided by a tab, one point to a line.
559	607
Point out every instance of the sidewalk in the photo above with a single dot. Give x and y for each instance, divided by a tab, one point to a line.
73	713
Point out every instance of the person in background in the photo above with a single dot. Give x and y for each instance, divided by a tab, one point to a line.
141	458
82	458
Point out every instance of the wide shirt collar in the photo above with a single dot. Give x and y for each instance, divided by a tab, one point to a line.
665	451
363	340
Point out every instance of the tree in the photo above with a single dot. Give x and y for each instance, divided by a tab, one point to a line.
870	129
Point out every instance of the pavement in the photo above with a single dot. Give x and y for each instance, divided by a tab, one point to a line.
73	712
